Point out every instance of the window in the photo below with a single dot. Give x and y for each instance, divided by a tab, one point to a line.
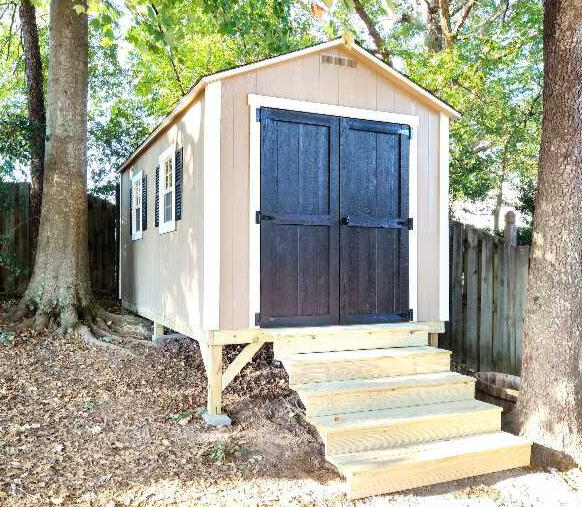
167	190
136	208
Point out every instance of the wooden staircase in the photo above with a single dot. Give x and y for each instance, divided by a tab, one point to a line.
390	412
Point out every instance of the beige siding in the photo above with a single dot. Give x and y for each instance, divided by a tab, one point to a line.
306	78
161	275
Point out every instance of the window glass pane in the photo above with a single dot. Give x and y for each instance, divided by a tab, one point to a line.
138	193
168	174
168	207
137	219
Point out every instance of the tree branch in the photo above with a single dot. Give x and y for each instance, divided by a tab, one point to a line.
466	11
373	31
169	51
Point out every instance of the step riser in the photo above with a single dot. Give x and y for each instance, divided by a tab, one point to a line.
411	432
346	402
371	368
412	475
348	341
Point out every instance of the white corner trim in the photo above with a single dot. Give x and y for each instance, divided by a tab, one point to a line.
168	154
331	110
256	101
444	217
211	192
135	235
413	212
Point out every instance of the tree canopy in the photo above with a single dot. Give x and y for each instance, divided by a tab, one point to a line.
484	57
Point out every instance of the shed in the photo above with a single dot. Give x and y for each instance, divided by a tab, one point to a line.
301	200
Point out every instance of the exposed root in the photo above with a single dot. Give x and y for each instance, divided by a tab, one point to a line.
105	333
89	339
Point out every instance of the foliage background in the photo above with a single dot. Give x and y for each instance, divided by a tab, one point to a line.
145	55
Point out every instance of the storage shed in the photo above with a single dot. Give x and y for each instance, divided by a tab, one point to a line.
303	200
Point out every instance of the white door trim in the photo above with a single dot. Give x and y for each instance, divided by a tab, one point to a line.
256	101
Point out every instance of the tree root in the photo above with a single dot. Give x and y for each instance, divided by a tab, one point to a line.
85	317
89	339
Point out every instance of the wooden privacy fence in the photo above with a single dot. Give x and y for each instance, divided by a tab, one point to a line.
16	260
488	285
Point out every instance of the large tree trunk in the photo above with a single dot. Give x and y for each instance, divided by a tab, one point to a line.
550	401
59	289
36	111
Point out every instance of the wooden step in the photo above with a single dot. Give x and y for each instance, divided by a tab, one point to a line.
359	364
378	429
385	471
344	396
289	341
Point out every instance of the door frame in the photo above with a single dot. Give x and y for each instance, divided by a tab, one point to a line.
257	101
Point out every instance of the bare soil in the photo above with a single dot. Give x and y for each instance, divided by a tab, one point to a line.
92	426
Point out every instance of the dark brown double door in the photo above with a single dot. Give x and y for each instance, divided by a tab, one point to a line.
334	220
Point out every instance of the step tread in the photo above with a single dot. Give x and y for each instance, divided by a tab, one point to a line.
392	416
291	332
400	382
360	462
357	355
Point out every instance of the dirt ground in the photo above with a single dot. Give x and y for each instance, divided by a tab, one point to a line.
92	426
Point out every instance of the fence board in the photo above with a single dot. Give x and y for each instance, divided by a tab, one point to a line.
471	291
521	278
456	288
16	241
487	299
486	303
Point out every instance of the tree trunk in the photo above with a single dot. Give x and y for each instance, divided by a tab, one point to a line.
550	401
59	289
433	38
36	111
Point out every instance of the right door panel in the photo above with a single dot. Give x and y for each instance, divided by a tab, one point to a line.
374	221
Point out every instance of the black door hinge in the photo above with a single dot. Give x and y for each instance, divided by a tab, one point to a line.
257	319
259	217
408	223
409	315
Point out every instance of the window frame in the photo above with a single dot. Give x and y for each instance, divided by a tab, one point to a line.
170	225
137	179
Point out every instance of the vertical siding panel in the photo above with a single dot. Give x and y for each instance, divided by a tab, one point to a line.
226	212
327	84
243	86
357	87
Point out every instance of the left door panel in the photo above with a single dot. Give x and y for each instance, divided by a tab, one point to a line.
299	219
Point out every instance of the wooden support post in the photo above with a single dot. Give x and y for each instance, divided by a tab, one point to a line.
433	340
213	415
158	331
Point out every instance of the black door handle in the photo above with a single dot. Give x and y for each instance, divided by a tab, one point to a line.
345	220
